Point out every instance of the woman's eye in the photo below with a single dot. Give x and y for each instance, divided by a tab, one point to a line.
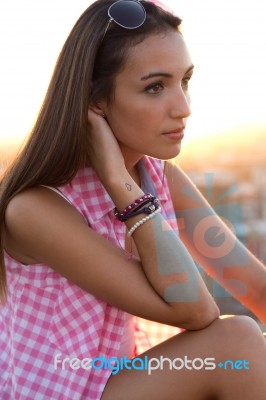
155	88
185	82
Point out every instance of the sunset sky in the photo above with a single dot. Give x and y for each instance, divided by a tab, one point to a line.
227	41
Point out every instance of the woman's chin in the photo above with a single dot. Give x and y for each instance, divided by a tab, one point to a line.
167	154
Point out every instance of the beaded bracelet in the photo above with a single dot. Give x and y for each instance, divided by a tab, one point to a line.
146	198
142	221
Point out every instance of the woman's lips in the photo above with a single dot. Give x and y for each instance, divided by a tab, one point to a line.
176	135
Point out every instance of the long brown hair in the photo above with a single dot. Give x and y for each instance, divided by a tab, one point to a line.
84	72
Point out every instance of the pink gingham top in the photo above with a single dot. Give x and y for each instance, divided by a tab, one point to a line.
46	314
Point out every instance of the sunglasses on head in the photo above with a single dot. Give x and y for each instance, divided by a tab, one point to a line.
129	14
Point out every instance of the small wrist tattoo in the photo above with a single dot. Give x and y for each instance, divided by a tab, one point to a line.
128	186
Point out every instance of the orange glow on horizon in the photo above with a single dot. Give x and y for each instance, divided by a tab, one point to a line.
226	42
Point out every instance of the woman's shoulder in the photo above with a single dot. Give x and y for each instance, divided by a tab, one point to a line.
35	203
32	214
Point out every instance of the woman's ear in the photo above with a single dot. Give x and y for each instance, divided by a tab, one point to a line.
98	109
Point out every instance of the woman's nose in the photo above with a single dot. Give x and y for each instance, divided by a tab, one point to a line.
180	107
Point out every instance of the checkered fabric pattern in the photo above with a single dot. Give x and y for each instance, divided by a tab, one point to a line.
149	334
47	316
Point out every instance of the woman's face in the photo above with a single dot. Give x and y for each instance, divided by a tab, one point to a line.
151	98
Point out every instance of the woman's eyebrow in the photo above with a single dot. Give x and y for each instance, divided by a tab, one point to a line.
164	74
190	69
155	74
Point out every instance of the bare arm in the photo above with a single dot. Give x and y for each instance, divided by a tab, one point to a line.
229	262
43	227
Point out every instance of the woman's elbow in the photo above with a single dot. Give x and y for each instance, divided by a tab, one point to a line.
200	319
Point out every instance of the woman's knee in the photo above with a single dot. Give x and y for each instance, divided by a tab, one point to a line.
239	323
239	331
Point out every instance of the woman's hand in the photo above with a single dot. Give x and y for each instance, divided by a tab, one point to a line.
108	162
104	151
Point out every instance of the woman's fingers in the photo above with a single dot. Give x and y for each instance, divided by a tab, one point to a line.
104	150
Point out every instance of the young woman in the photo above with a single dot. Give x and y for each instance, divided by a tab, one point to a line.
89	233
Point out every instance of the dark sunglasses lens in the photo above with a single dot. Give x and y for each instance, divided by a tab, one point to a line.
127	13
